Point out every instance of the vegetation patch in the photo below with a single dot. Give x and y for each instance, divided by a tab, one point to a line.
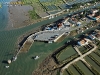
33	15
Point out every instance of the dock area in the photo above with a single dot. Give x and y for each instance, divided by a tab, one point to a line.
27	44
48	36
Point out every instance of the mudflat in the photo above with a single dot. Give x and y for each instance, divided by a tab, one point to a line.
18	16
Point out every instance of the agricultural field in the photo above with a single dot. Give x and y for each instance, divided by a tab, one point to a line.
37	8
83	68
66	73
80	68
94	65
73	70
40	7
86	48
52	4
66	53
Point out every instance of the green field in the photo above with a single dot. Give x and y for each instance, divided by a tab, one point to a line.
66	72
73	70
93	64
66	53
82	48
83	68
95	57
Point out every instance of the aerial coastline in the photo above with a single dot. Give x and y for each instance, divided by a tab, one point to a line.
62	44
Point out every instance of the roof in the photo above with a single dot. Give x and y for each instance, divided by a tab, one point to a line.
82	42
91	36
78	1
43	14
98	17
98	35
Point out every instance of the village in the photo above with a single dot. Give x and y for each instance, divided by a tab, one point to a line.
66	46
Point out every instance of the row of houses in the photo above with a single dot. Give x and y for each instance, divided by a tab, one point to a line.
53	31
65	23
92	36
94	14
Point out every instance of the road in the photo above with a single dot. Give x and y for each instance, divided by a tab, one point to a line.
77	50
79	58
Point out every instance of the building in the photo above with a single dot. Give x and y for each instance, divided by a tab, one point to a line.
78	23
91	37
94	15
83	42
98	35
98	18
66	23
95	11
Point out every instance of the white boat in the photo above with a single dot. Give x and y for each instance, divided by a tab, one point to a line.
36	57
15	58
7	66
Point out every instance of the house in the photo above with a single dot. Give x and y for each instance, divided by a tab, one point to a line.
73	21
97	35
91	37
95	11
98	18
82	42
66	23
93	15
78	23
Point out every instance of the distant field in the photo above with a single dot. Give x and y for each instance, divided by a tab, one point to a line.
44	5
66	53
80	68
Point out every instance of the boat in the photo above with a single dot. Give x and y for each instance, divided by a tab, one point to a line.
6	66
36	57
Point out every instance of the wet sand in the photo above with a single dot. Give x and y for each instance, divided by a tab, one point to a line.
18	16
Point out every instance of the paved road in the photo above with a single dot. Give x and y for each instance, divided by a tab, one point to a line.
77	59
87	64
77	50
